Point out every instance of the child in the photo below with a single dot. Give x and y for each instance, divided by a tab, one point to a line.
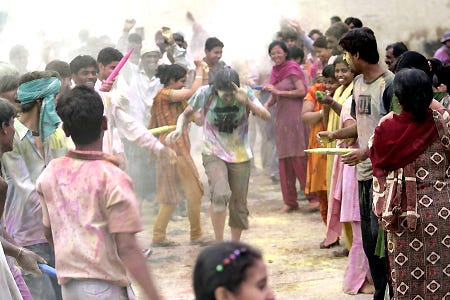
231	270
90	213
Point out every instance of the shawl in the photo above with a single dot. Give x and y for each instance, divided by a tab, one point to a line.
399	141
286	69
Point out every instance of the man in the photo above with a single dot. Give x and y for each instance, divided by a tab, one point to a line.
353	22
443	53
213	54
360	51
84	70
36	142
393	53
65	76
142	89
101	215
9	81
333	35
119	121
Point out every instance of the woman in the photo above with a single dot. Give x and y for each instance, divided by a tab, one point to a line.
312	114
226	150
288	87
168	104
231	271
410	155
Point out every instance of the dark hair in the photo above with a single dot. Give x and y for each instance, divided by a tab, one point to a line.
207	278
335	19
108	55
135	38
282	45
178	37
315	31
320	42
413	59
7	111
9	77
81	111
224	78
441	73
328	71
30	76
355	21
339	59
361	41
414	92
59	66
398	48
296	52
337	30
289	33
81	62
212	43
167	72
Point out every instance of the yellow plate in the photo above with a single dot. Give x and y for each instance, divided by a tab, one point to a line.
330	151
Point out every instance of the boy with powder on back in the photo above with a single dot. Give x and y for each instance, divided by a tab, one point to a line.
90	212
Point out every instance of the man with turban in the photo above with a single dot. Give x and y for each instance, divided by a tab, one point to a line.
37	140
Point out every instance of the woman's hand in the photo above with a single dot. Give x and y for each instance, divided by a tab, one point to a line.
241	93
270	88
325	137
173	136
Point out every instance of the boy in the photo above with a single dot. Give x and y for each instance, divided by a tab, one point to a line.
90	213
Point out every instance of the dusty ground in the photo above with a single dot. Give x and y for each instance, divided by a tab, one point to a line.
297	268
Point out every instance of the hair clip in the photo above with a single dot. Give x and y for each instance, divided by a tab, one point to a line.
230	258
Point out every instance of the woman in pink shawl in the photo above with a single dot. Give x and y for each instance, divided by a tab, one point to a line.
288	87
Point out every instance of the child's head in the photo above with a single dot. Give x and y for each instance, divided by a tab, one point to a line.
330	83
81	111
231	269
7	113
342	71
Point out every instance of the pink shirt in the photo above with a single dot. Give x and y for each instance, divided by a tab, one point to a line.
85	199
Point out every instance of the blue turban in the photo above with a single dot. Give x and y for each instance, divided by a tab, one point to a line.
42	88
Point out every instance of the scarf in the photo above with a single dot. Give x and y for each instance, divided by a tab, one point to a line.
399	141
286	69
42	88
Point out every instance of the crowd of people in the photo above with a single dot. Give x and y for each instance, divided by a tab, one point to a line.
82	143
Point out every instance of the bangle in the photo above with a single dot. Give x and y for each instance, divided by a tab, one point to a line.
20	252
198	77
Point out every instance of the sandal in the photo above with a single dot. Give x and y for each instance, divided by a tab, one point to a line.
202	241
323	246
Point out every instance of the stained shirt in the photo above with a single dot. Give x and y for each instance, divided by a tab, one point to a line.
369	110
85	200
22	166
225	128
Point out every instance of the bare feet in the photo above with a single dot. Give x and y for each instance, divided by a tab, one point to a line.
288	209
367	288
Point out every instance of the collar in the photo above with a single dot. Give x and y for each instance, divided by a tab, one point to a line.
93	155
21	129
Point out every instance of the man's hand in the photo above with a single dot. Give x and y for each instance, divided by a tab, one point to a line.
355	157
28	261
168	154
106	86
325	100
129	24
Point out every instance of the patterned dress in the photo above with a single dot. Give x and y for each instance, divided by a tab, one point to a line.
420	259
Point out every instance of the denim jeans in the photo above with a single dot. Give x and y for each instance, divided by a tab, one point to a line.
43	287
369	229
94	289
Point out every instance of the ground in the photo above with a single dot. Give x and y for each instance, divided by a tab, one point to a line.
298	269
